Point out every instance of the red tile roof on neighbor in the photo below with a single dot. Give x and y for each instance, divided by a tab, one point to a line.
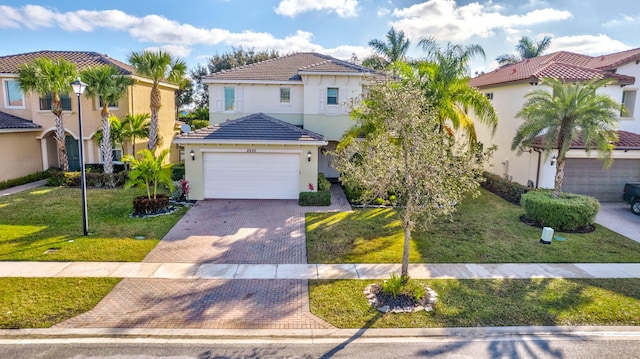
626	141
254	127
82	59
563	65
288	68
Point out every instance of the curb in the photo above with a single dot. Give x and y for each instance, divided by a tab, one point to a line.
318	334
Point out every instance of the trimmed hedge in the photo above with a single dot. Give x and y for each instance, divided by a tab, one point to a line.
23	180
323	182
58	178
567	213
321	198
177	171
510	191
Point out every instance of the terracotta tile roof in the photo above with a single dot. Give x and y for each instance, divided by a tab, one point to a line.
82	59
255	127
564	65
626	141
288	68
8	121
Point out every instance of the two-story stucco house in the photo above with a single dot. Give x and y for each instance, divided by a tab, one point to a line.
272	125
27	124
506	87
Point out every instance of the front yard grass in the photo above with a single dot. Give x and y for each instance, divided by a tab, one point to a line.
43	302
486	229
475	302
49	219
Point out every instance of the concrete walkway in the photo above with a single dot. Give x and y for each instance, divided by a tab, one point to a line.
227	271
24	187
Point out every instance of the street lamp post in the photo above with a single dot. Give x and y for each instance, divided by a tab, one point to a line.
78	88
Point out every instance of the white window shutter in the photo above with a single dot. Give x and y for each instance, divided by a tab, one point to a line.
219	93
239	99
322	101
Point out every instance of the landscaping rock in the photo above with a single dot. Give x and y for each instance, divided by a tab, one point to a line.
384	309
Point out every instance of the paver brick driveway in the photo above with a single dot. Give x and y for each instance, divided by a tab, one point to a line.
220	231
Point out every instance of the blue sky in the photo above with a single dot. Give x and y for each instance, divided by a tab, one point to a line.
197	30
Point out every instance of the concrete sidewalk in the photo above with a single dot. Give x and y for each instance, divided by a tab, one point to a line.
147	270
24	187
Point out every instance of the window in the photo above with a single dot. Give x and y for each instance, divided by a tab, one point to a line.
13	93
229	98
111	104
629	102
332	96
116	152
489	96
45	102
285	95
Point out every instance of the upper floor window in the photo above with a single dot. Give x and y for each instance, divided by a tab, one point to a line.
489	96
45	102
332	96
629	101
285	95
229	98
111	104
13	94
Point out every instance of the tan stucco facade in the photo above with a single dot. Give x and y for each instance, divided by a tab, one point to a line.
21	154
39	146
195	168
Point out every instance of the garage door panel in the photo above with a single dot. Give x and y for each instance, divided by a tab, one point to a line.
252	175
587	176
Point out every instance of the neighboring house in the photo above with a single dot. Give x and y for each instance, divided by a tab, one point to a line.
303	98
27	124
506	87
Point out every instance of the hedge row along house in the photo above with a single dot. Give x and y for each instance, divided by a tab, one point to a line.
27	124
507	87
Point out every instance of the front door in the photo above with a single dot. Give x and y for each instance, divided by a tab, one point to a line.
72	153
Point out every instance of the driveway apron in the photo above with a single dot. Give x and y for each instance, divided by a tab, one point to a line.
220	231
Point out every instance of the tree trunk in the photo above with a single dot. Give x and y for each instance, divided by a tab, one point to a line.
557	186
61	146
153	124
105	144
407	245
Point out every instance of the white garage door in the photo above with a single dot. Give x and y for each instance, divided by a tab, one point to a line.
586	176
251	175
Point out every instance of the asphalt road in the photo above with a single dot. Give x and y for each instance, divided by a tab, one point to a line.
496	347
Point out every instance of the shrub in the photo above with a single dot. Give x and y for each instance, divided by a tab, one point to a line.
567	213
23	180
323	182
197	124
144	206
321	198
177	171
508	190
393	285
353	194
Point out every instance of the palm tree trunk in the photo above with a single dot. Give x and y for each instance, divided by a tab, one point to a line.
557	186
105	144
61	146
153	124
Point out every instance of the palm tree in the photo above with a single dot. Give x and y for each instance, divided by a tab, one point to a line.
443	77
565	113
134	127
52	78
389	51
109	85
157	65
527	49
150	171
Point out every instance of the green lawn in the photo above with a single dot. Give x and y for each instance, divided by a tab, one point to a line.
50	219
505	302
486	229
42	302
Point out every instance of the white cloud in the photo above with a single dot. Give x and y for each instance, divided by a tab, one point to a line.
175	50
383	12
9	17
445	20
622	20
344	8
587	44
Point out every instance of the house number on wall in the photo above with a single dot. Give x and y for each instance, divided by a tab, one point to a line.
251	150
